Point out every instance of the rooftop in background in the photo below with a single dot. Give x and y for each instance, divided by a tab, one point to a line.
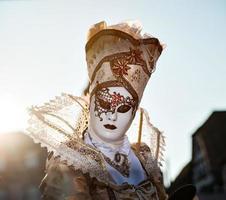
213	134
207	168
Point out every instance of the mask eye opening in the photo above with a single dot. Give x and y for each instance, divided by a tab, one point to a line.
123	108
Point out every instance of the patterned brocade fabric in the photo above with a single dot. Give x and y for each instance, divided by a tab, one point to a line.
63	182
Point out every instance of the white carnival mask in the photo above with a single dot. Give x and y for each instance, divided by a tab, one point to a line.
111	113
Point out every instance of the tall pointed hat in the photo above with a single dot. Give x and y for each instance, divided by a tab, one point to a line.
119	55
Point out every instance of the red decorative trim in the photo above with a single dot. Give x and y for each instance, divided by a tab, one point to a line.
129	57
117	83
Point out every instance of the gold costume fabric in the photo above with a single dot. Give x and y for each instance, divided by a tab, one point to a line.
63	182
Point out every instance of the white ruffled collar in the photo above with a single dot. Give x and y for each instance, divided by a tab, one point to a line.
107	150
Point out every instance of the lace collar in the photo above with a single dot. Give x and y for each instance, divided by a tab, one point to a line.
107	150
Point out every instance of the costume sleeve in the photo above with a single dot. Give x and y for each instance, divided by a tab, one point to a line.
157	179
63	183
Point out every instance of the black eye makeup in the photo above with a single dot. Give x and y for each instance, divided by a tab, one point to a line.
123	108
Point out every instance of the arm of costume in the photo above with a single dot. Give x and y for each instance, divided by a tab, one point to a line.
153	170
62	182
158	182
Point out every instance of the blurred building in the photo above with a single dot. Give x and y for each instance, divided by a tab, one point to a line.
22	164
207	169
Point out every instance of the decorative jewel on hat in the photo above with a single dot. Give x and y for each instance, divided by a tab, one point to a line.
120	55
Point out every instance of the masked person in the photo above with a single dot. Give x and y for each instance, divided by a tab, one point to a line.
92	153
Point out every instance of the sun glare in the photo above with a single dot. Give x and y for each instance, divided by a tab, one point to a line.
12	114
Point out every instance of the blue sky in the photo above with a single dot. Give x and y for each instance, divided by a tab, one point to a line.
42	54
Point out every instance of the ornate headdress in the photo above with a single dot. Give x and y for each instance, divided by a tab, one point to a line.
120	56
116	56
